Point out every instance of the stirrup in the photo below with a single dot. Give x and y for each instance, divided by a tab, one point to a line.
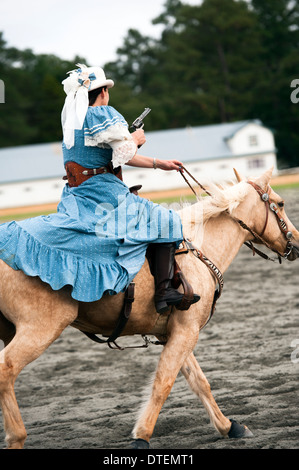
165	303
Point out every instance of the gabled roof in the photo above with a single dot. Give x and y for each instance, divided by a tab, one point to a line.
242	124
41	161
194	143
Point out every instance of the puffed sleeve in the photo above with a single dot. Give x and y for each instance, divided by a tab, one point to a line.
106	127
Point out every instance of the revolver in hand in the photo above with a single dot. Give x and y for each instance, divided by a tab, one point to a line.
138	123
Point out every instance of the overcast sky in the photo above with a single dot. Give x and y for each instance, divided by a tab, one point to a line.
92	29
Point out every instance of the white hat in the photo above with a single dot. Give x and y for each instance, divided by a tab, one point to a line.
98	78
76	87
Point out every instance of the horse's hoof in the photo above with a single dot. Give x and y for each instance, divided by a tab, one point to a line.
139	444
238	431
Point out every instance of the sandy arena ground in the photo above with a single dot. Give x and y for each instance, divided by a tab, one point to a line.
82	395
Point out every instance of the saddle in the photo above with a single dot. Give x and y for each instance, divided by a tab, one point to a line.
178	279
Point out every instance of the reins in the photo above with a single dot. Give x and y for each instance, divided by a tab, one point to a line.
182	168
269	206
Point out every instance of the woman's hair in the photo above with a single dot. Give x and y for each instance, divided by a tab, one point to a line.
93	94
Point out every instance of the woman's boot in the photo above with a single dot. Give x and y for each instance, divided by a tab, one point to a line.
161	260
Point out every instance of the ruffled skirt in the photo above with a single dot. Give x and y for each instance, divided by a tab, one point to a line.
95	243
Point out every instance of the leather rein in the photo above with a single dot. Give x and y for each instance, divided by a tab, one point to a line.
269	206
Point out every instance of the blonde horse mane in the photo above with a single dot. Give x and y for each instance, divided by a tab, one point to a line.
223	199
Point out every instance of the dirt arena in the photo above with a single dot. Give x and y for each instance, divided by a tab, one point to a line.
82	395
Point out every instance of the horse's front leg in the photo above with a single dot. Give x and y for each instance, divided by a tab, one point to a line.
178	348
201	387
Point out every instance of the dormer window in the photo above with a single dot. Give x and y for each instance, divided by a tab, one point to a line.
253	140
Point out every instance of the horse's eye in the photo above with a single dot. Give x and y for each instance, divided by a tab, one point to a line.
281	204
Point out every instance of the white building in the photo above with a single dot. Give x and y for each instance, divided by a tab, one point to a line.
32	175
209	152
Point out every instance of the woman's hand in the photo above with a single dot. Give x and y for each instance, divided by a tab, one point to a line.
148	162
139	137
168	165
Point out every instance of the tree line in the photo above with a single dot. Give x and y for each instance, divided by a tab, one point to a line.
218	61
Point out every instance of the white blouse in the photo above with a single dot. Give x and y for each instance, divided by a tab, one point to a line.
108	129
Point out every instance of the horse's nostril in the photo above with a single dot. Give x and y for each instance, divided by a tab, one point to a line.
294	253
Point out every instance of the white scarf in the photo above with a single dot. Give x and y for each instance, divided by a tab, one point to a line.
75	107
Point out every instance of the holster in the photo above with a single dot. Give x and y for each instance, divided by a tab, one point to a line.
76	174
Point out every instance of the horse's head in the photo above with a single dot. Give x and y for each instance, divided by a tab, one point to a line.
270	220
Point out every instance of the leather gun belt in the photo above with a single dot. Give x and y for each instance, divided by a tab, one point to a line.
76	174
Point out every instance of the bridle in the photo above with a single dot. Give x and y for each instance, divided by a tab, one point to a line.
269	206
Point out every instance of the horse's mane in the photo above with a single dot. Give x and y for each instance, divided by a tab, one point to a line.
223	198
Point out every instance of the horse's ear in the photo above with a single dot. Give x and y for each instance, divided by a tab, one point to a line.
264	180
238	176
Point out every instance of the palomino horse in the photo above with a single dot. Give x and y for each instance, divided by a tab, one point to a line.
33	315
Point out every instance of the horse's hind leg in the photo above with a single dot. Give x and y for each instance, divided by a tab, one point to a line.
201	387
34	333
13	424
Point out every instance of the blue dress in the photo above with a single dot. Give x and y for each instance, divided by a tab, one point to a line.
97	240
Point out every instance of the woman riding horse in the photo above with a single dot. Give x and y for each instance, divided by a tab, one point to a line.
97	241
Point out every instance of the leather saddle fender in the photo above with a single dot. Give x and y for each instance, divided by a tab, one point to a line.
180	279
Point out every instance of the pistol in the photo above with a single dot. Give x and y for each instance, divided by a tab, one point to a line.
138	123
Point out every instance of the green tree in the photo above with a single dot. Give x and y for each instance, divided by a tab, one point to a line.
221	60
14	129
204	67
34	95
278	24
214	52
218	61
